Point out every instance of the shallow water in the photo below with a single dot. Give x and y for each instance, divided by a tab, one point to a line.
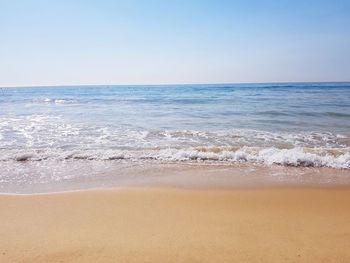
302	125
71	175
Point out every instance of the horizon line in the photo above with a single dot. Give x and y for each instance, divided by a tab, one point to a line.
171	84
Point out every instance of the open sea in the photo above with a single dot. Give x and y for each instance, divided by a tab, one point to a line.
57	134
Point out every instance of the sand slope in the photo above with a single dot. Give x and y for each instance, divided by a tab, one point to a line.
163	225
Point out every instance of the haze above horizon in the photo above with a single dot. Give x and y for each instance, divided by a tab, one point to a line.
157	42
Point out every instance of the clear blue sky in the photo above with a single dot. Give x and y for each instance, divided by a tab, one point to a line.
152	42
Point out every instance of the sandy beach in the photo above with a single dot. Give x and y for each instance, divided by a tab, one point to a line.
174	131
173	225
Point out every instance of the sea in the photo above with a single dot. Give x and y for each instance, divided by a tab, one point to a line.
80	135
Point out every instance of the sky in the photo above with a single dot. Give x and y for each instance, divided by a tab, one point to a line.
105	42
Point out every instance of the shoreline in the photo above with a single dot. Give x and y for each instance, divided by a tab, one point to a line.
183	176
177	188
177	225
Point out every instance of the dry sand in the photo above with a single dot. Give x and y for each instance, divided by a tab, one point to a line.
163	225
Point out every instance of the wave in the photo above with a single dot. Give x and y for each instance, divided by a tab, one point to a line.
54	101
298	156
41	131
41	137
269	156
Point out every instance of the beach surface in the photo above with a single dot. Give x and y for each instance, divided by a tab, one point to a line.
176	225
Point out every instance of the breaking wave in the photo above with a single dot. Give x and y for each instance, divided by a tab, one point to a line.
298	156
51	137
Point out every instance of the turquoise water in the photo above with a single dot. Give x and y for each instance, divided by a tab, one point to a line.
304	124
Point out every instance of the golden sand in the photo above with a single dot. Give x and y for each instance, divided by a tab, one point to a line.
162	225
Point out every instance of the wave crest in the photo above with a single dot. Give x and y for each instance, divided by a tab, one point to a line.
298	156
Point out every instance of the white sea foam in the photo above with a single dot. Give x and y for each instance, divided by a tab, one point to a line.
54	101
41	137
290	157
305	157
37	131
298	157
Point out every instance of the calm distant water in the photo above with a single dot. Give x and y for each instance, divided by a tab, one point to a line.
285	124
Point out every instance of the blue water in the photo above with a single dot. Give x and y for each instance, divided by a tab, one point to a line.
275	107
306	124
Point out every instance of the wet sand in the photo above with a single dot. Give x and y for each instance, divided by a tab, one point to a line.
174	225
28	178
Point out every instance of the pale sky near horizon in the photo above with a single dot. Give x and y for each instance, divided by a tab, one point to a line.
76	42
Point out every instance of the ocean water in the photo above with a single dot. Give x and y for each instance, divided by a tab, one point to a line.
301	125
